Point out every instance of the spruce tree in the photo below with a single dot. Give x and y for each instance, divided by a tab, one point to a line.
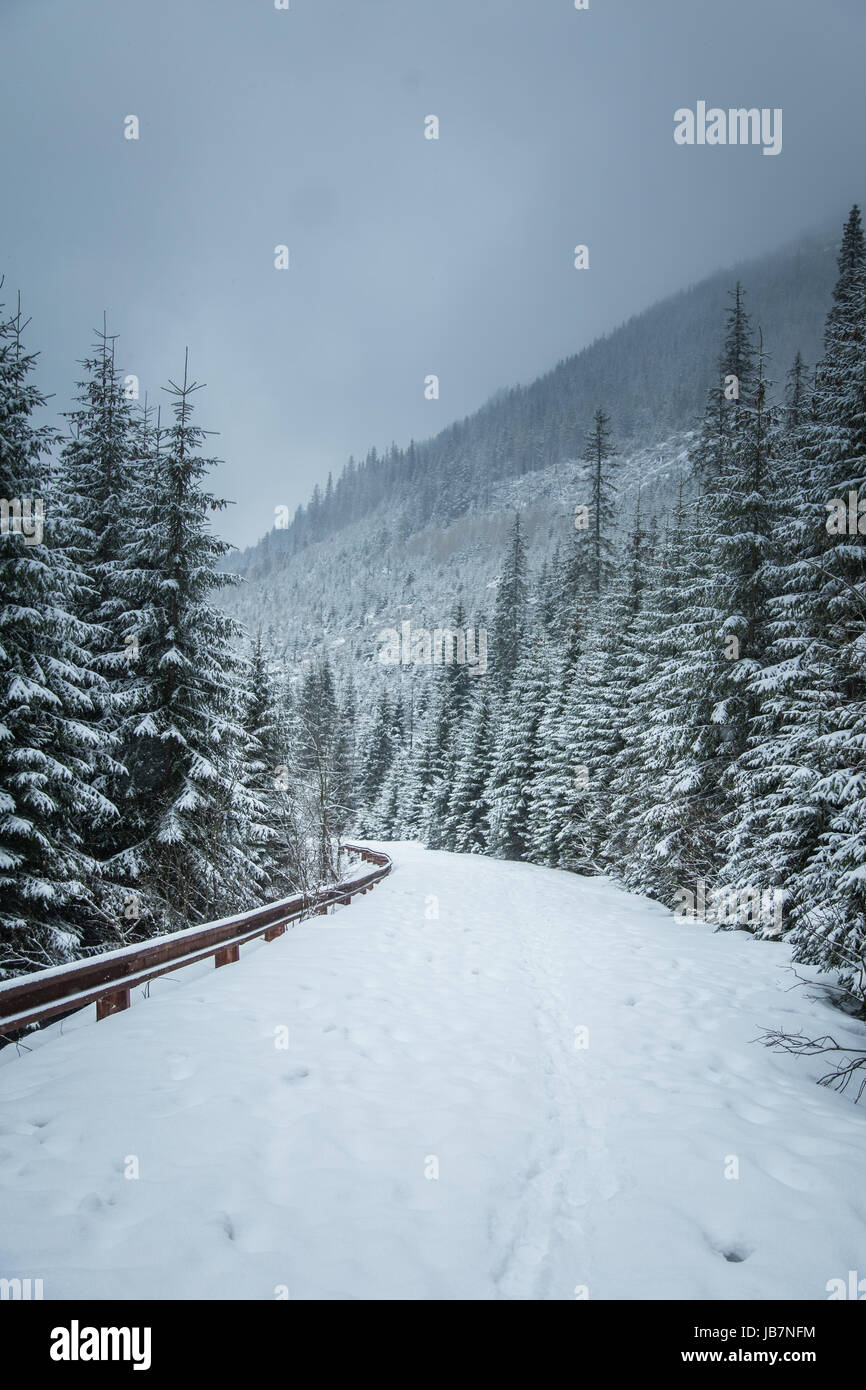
49	696
269	775
99	481
594	714
598	453
517	722
378	751
467	825
797	396
324	763
831	917
192	825
554	775
423	772
384	820
652	805
734	386
509	618
452	700
740	512
722	634
625	691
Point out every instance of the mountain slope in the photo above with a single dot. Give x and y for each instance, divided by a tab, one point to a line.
338	594
408	534
651	374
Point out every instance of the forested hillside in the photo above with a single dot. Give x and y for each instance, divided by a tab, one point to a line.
651	373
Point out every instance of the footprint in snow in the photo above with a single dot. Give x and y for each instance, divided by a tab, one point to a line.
736	1252
180	1066
226	1224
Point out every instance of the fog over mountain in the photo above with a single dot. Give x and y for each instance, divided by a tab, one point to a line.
433	517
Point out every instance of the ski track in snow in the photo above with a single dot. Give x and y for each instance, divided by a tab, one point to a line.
561	1167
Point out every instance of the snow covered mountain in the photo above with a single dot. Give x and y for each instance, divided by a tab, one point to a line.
409	532
336	595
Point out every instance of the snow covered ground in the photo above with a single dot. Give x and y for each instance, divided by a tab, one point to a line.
418	1041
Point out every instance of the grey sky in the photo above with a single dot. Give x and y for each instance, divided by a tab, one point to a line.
408	256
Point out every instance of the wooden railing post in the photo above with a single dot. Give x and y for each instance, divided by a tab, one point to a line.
113	1003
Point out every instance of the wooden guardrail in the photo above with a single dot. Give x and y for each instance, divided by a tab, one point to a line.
107	979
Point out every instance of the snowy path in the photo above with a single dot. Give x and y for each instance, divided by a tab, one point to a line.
412	1039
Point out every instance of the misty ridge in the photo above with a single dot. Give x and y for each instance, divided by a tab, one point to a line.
424	524
653	371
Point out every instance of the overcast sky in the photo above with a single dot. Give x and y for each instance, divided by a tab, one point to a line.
408	256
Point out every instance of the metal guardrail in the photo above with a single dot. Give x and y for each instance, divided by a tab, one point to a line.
107	979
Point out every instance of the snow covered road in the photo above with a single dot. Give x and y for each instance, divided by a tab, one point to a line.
440	1123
